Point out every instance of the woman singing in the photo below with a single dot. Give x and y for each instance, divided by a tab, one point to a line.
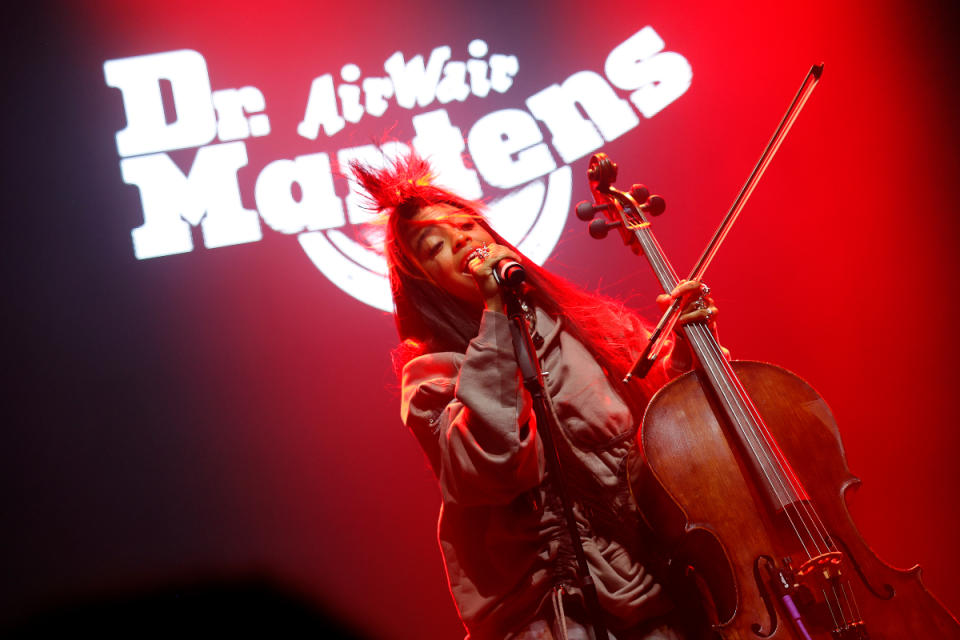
509	559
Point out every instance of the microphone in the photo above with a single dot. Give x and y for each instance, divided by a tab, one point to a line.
509	273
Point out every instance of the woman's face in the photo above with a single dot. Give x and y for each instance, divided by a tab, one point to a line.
444	246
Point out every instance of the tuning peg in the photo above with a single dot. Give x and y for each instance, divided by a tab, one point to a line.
655	205
640	193
587	210
600	228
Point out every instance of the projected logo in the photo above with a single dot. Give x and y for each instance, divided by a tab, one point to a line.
510	155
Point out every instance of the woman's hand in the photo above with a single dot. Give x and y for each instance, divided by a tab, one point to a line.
697	306
481	264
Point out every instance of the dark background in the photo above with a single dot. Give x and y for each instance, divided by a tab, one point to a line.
215	434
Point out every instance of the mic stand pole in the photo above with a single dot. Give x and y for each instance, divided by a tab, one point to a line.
533	381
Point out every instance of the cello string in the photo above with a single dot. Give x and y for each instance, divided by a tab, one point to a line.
856	605
843	588
702	334
780	135
792	114
704	339
780	458
846	620
774	145
808	517
705	336
725	384
669	279
750	409
826	598
718	367
739	414
853	607
754	431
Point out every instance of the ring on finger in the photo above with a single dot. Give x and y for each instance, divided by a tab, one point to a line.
700	303
704	290
709	314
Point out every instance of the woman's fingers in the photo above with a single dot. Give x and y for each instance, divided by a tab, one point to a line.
484	259
685	287
706	315
481	264
698	305
690	291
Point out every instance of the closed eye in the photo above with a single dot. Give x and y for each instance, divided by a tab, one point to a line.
435	249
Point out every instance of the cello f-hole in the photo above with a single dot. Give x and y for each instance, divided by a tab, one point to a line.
764	590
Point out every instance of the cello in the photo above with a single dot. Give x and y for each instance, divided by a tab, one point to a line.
742	466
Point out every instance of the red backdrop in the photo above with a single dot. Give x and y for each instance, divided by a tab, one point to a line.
229	410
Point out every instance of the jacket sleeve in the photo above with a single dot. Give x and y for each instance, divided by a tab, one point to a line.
474	419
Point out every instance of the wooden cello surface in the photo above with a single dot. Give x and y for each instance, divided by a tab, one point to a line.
719	521
745	477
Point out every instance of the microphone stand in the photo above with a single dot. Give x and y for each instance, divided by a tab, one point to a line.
529	366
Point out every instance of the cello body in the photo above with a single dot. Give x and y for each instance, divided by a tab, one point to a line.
700	487
745	478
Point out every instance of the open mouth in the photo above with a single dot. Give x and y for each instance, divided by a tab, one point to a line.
477	252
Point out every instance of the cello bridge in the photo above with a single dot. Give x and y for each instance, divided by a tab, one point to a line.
826	565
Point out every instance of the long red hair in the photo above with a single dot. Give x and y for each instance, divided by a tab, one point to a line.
430	320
